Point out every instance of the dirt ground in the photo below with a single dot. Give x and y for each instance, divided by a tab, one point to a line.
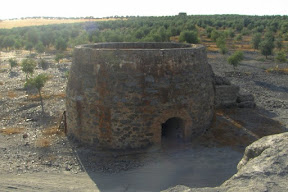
36	156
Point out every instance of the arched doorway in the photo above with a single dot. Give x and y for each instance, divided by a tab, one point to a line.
172	131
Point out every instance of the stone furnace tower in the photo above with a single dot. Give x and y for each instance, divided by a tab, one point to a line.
132	95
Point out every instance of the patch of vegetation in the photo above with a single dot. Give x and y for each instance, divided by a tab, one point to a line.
52	131
11	131
38	82
140	29
43	142
281	57
277	70
59	57
235	58
28	67
44	64
189	37
13	63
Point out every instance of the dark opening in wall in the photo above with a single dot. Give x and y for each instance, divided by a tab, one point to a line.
173	130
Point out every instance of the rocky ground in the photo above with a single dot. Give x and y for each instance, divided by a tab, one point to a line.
269	89
35	155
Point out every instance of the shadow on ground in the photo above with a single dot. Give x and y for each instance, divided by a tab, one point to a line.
206	162
272	87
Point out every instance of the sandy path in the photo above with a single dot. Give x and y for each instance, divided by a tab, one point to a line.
47	182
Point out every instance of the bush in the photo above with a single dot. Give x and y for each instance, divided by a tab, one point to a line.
238	37
281	57
266	47
256	39
189	37
43	64
28	66
58	57
38	82
13	63
223	50
235	58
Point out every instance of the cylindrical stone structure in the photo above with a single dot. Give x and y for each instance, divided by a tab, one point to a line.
125	95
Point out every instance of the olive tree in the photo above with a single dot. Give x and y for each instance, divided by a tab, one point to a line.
235	58
266	47
256	39
28	67
38	82
13	63
40	48
189	37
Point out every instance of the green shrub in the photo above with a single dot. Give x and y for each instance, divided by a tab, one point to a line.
238	37
235	58
281	57
189	37
58	57
43	64
13	63
223	50
28	66
38	82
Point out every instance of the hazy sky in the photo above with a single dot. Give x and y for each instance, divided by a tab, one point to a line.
104	8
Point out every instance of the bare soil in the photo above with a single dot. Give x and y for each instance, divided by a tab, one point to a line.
36	156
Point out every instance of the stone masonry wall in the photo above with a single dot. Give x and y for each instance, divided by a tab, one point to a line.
119	94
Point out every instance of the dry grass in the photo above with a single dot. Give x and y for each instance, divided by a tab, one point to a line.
213	48
11	94
59	95
8	24
284	70
37	97
52	131
1	83
11	131
277	70
43	142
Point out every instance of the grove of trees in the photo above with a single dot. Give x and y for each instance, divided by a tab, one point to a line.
267	32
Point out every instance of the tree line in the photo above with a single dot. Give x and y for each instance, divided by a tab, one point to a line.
268	32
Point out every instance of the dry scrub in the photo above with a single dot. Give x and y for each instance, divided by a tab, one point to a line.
11	131
277	70
43	142
52	131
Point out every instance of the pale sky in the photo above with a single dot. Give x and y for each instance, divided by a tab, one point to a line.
104	8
